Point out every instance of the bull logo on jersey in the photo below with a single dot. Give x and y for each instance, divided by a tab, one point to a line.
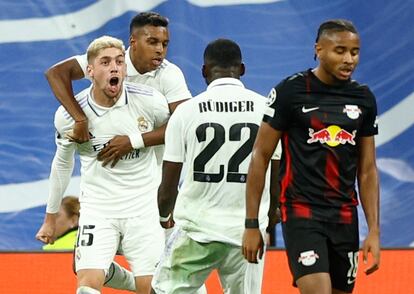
142	124
352	111
332	136
308	258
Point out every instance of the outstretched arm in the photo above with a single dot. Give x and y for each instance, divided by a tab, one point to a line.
60	77
60	174
369	194
264	146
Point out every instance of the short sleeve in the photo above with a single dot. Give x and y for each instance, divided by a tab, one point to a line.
174	86
174	137
278	107
370	120
63	124
83	62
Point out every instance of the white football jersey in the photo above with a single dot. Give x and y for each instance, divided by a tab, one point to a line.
167	79
121	191
214	134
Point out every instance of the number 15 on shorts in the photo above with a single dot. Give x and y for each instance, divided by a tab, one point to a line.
85	236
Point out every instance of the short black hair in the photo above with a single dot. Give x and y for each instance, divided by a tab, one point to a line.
148	18
223	53
335	25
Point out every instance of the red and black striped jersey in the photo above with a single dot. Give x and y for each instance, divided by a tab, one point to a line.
321	125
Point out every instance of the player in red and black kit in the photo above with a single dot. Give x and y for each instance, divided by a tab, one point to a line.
327	124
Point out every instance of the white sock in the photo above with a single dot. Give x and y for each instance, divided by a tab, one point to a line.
87	290
119	277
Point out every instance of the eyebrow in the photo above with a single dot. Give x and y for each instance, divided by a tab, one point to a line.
157	39
109	57
344	47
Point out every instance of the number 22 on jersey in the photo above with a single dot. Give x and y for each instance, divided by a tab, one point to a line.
219	139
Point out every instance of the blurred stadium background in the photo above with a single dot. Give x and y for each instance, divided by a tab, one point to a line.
277	40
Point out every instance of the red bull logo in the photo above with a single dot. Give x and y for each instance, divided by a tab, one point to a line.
332	136
308	258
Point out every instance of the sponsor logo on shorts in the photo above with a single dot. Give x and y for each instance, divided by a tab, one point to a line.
308	258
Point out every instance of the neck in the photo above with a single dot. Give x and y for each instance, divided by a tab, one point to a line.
219	74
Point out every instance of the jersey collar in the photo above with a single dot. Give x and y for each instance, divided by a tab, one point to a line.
131	70
101	110
225	82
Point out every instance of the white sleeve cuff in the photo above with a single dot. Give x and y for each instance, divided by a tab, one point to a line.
136	140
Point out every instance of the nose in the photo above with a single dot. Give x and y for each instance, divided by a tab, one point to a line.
160	47
114	66
348	58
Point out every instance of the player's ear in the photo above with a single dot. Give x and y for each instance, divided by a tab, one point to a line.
204	71
318	49
134	36
132	40
89	68
242	69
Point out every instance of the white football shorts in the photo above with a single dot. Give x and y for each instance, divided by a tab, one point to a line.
186	264
141	239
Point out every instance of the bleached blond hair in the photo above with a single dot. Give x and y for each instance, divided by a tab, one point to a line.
102	43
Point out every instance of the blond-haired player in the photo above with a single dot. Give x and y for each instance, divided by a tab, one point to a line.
118	205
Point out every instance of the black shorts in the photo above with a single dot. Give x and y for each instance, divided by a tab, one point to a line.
315	247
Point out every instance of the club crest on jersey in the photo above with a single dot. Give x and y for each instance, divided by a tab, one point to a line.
142	124
332	136
352	111
308	258
271	97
